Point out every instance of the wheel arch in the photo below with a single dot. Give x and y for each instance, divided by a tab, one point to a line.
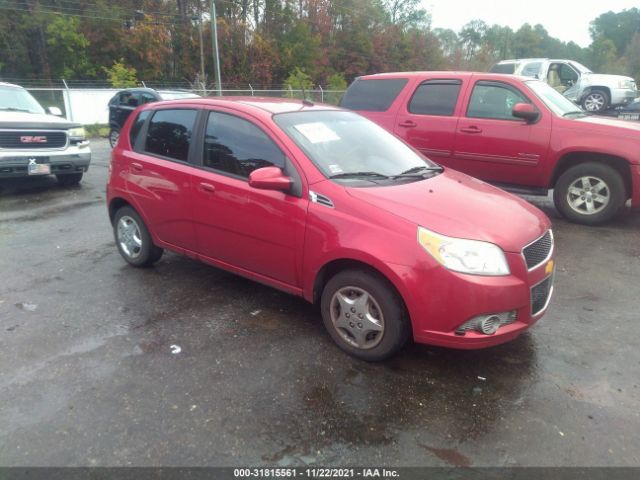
571	159
335	266
116	204
607	90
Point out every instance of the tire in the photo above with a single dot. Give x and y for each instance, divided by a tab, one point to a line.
596	101
388	328
114	134
133	239
69	178
590	193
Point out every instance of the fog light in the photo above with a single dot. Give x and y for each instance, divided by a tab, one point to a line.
488	324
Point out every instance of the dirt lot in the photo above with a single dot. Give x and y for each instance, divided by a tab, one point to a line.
88	373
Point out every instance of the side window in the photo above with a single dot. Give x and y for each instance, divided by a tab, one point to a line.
435	98
137	125
491	100
123	98
237	146
372	95
169	133
531	69
567	74
147	98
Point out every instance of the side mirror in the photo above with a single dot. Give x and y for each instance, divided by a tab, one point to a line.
270	178
55	111
526	111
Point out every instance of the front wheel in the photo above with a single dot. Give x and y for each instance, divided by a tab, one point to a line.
589	193
596	101
364	315
133	239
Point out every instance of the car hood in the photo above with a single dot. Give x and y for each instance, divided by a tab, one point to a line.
605	77
457	205
612	126
34	120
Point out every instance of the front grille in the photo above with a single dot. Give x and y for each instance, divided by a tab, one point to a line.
32	140
540	295
538	251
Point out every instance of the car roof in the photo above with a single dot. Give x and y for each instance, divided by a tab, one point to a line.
11	85
445	75
258	105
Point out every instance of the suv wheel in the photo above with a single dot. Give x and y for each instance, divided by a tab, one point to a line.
69	179
596	101
589	193
114	134
133	239
363	315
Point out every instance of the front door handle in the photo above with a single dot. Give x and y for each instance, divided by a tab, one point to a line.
136	166
472	129
207	187
408	124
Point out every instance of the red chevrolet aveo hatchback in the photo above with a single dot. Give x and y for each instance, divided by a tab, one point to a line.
324	204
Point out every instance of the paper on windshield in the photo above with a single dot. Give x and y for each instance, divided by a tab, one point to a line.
317	132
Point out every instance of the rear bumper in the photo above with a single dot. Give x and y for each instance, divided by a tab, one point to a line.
75	158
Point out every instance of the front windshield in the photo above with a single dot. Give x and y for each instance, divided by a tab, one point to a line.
581	68
18	99
341	144
557	103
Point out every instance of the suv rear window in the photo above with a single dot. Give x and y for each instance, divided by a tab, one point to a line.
372	95
503	68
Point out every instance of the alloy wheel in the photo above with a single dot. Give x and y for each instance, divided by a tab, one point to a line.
588	195
129	237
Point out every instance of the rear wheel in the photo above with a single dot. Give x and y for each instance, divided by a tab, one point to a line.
596	101
114	134
589	193
133	239
69	178
364	315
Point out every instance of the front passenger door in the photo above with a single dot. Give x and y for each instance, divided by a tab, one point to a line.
257	231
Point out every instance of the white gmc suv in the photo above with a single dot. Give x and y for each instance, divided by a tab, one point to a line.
33	142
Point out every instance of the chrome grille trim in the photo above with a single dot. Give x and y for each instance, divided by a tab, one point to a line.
549	294
32	146
546	258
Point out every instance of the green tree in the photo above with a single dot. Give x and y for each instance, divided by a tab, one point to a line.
67	49
298	80
121	76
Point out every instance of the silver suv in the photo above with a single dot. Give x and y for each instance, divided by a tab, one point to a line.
33	142
594	91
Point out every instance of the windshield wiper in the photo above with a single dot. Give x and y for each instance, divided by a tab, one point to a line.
14	109
358	174
418	171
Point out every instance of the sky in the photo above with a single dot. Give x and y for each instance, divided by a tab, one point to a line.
567	20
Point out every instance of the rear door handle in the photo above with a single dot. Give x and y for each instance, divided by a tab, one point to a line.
136	166
207	187
407	124
472	129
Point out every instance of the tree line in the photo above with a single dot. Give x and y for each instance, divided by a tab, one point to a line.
269	43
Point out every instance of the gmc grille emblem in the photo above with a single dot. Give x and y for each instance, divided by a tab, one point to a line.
33	139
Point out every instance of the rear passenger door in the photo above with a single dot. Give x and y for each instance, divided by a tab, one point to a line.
159	174
428	120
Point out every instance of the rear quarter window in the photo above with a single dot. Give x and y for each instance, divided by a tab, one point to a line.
372	95
137	126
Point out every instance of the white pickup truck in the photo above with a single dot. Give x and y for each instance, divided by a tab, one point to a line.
596	92
33	142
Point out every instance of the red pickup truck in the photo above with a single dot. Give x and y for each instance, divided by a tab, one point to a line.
516	132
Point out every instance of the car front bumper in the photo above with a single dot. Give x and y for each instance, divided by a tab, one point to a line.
622	96
451	299
73	159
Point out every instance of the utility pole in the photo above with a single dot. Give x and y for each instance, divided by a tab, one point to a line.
214	41
202	78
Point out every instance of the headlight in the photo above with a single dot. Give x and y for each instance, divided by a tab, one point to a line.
462	255
77	133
